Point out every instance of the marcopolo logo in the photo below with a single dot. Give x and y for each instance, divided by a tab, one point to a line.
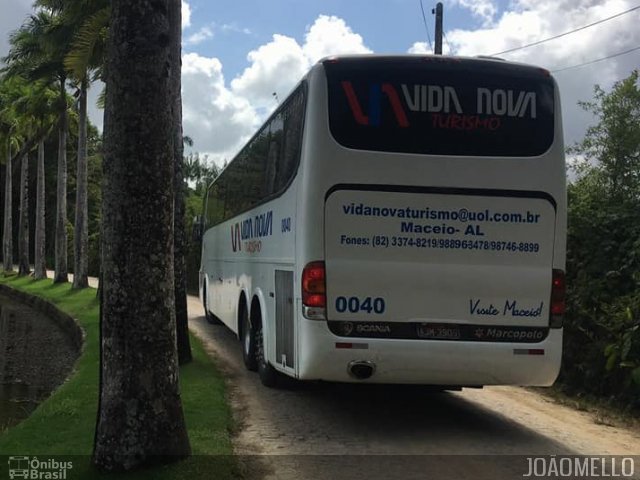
38	469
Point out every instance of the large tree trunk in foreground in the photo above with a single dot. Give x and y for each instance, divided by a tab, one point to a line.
7	237
140	421
39	266
180	243
81	235
61	273
23	224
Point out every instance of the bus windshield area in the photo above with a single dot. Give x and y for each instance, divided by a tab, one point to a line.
422	105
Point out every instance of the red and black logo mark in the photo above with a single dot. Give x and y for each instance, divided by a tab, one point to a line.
374	117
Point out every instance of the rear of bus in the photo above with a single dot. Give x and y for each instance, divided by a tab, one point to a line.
431	223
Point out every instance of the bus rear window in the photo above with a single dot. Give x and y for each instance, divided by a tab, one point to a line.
440	106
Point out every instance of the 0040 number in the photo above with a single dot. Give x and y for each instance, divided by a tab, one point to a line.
357	305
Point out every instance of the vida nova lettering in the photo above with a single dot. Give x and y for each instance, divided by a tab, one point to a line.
445	99
251	228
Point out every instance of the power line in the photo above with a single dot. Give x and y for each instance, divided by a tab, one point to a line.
447	41
567	33
596	61
424	19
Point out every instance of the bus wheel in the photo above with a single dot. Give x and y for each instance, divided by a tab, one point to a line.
248	341
268	374
211	318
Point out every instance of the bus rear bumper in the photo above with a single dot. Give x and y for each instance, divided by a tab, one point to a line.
428	362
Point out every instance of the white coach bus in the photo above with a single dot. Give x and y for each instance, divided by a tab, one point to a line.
398	219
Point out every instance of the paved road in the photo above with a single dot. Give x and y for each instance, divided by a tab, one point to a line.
361	431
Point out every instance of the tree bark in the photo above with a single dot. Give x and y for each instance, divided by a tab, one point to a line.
81	235
61	269
180	244
140	420
39	267
7	237
23	224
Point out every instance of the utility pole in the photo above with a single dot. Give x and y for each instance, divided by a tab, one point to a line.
438	12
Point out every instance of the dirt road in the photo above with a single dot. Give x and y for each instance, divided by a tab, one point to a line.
361	431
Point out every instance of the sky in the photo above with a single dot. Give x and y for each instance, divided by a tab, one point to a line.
237	54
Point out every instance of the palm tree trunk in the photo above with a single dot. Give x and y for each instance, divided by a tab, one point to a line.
7	237
140	417
180	244
61	273
23	225
81	235
39	267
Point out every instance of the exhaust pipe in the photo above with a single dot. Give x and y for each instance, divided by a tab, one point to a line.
361	369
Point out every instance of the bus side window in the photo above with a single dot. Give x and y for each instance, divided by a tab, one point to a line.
275	152
215	204
291	139
272	164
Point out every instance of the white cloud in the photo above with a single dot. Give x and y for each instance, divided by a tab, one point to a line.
233	27
330	35
278	65
186	14
217	119
420	48
485	10
200	36
10	20
528	21
220	118
275	67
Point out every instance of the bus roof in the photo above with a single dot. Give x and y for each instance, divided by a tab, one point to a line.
479	63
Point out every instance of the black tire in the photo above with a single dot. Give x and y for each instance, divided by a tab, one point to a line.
211	318
269	376
248	341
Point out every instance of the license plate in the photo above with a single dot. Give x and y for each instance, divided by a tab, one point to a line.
439	332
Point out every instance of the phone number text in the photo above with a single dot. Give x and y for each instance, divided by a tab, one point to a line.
383	241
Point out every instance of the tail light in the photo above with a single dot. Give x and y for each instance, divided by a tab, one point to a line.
314	297
558	292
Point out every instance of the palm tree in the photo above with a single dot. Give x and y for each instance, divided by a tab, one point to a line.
39	105
86	55
23	212
39	264
9	131
30	107
140	420
7	237
38	48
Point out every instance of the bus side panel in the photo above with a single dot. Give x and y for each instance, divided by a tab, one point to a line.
242	255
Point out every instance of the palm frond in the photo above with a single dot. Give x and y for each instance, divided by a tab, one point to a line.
87	50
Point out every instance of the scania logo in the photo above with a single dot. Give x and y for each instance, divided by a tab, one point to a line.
347	328
371	328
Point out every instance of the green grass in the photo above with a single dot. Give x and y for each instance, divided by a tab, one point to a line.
63	425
